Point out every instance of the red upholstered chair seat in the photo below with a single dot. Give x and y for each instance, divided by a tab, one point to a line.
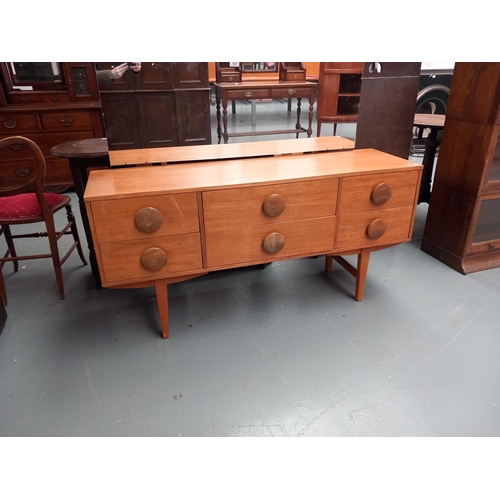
26	205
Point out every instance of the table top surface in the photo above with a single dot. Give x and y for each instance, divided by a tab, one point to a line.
265	83
241	172
429	120
234	150
86	148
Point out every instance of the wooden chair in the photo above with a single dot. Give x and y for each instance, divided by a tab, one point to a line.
25	202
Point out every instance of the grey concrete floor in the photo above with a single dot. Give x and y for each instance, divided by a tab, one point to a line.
279	351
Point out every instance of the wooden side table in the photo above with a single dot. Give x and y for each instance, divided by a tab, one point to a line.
83	155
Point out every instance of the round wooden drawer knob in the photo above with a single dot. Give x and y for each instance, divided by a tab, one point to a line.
153	259
376	229
148	219
273	243
274	205
382	193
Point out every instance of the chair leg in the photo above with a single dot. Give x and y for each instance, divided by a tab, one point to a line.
3	293
10	246
54	249
74	232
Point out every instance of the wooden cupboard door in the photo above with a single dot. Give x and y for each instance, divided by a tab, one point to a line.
190	75
123	129
158	119
193	117
154	76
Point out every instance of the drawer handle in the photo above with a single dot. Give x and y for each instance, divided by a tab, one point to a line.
248	94
274	205
273	243
23	172
376	229
17	147
54	97
10	124
292	91
153	259
25	98
148	219
382	193
66	121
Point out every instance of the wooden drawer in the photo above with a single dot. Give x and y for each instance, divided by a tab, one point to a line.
56	97
121	261
248	94
45	141
58	172
24	98
362	193
115	220
14	124
246	206
229	247
66	120
291	92
354	229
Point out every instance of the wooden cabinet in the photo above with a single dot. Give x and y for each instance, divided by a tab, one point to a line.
463	222
165	104
49	103
339	90
157	225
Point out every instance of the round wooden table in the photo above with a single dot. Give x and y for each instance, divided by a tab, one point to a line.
82	155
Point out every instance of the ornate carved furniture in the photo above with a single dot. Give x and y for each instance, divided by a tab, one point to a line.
26	203
159	225
49	103
463	221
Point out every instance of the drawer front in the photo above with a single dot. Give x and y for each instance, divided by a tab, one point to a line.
66	120
15	123
230	77
291	92
24	98
121	219
248	94
372	192
373	228
45	141
56	97
246	245
122	261
58	172
247	206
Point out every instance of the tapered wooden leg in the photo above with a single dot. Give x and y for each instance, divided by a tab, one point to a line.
362	270
162	301
328	263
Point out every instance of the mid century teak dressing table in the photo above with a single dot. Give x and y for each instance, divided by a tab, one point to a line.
159	225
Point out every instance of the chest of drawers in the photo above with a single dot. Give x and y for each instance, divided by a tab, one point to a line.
157	225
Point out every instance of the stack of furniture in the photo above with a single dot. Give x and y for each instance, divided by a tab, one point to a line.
49	110
463	222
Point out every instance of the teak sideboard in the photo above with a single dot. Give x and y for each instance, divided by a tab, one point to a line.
153	226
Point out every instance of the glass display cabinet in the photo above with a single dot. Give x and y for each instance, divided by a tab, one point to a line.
463	222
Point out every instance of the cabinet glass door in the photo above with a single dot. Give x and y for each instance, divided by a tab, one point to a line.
488	222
